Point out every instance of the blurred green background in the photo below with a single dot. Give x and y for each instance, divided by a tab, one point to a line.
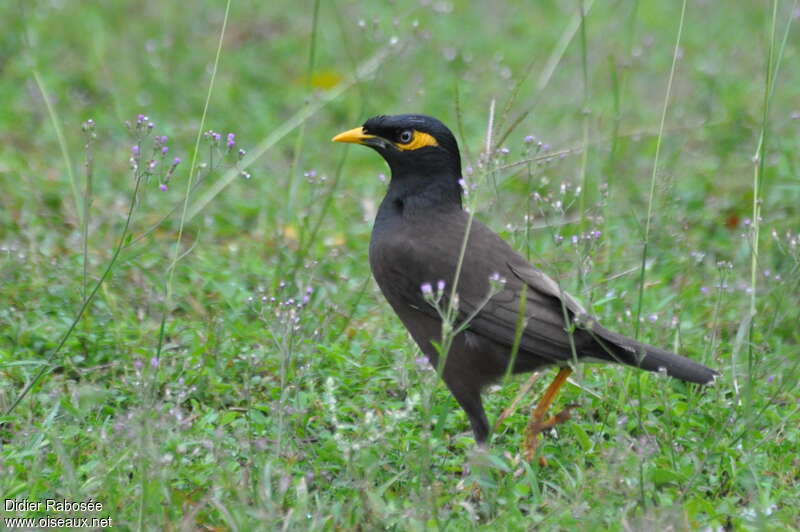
258	413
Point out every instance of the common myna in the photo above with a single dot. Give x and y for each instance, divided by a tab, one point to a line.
416	243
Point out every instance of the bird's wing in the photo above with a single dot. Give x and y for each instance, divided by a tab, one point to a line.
419	261
546	310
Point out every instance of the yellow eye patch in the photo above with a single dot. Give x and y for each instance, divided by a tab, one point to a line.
418	140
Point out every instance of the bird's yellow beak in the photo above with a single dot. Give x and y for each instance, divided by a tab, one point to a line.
355	135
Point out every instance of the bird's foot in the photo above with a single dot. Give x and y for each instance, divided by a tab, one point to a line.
537	425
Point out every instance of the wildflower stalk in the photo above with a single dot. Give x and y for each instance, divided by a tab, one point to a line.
463	250
176	252
298	146
449	314
138	174
291	191
307	238
452	307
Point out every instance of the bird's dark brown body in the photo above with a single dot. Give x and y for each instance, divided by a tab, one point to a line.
474	360
417	240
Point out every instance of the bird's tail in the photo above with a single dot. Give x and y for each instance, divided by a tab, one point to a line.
620	348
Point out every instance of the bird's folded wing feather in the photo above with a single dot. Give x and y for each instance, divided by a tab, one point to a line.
544	333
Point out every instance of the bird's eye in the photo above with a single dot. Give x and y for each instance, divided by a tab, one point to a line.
406	136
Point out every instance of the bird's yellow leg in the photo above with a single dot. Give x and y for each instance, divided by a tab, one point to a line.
537	422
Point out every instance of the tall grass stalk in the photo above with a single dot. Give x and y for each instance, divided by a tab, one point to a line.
553	60
611	164
62	142
654	175
586	119
176	254
87	203
758	175
646	243
367	68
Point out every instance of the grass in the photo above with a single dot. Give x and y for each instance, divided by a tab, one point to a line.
284	393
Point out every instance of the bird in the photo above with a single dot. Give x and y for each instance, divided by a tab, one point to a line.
419	247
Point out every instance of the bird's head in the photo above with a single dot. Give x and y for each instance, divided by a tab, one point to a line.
414	146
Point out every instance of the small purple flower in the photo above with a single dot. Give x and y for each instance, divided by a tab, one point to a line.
154	362
653	318
426	288
440	286
497	279
141	119
231	141
164	150
176	161
135	150
216	136
545	147
528	139
137	364
504	151
704	290
162	187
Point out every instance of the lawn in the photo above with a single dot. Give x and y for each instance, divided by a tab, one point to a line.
189	332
